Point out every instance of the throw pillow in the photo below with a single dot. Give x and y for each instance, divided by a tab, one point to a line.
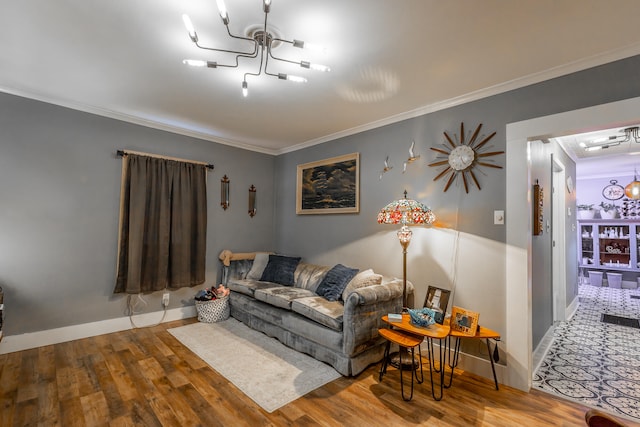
335	281
259	263
362	279
280	269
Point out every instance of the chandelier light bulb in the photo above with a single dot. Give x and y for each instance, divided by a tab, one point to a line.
301	44
296	79
245	89
190	28
195	62
222	10
320	67
315	47
266	6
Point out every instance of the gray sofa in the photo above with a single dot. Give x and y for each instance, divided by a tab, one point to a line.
342	333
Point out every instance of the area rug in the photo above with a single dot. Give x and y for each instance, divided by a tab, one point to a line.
266	370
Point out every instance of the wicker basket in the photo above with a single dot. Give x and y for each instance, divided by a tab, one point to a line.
213	311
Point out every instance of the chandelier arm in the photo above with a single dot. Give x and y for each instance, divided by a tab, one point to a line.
239	37
283	59
266	63
237	64
260	69
246	54
275	39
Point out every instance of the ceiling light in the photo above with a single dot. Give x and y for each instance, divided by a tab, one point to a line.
260	44
602	146
631	132
612	141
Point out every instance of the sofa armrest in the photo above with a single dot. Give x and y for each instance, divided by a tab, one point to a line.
374	293
363	311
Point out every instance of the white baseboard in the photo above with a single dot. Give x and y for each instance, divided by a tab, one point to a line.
477	365
543	347
11	343
573	307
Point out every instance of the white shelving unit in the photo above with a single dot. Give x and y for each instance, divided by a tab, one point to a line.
610	245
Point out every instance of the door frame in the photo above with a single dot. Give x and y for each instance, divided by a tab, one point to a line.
558	240
518	339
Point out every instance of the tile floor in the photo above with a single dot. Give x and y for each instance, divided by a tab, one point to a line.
596	363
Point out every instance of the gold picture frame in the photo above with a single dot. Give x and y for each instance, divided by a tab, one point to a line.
330	186
464	321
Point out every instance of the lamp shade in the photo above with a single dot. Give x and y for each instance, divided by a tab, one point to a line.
406	212
632	190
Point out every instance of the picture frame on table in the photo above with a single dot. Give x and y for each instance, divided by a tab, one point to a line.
329	186
464	321
437	299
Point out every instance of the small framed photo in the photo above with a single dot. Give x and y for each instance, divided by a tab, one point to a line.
329	186
437	299
464	321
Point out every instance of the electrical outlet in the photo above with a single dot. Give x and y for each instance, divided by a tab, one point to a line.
165	299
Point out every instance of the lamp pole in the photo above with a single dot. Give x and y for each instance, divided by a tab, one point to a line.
404	235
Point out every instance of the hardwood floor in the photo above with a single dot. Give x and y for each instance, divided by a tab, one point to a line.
145	377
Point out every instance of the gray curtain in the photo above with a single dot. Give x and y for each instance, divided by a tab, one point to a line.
163	225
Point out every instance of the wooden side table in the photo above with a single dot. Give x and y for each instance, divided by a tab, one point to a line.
482	333
407	341
430	333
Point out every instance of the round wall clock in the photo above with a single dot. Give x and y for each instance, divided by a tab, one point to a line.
613	191
463	157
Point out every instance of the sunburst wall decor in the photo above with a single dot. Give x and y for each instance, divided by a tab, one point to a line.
463	157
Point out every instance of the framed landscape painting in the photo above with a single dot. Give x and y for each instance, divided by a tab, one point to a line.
329	186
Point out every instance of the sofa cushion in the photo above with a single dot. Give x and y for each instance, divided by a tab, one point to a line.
249	287
281	296
318	309
335	281
309	276
259	263
360	280
280	269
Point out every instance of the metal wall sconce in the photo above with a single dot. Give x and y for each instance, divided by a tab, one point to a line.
224	192
252	201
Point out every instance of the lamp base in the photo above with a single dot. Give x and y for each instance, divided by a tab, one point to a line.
394	360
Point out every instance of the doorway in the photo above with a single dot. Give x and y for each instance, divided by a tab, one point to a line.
518	249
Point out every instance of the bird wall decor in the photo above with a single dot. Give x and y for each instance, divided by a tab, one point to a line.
412	156
387	167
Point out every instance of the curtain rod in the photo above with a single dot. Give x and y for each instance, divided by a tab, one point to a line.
122	153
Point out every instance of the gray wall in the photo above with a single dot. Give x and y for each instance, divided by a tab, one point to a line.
60	190
465	251
541	155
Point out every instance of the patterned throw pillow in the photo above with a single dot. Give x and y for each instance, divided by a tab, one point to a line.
280	269
362	279
335	281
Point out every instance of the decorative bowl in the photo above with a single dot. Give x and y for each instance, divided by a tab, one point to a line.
422	316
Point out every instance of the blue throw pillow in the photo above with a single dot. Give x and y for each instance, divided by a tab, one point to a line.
335	281
280	269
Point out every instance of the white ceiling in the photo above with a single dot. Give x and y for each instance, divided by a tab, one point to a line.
390	60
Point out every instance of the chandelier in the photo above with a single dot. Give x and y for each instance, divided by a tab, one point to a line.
631	133
260	44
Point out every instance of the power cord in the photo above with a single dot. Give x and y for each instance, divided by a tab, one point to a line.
131	306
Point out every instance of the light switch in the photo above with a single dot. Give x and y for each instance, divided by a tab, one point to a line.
498	217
